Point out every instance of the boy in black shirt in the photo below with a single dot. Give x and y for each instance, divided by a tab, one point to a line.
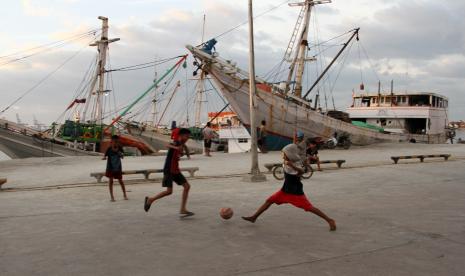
312	154
114	170
171	173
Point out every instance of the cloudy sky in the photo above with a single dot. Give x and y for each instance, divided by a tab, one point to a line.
418	43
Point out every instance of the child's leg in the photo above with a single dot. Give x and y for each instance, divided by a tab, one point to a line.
260	211
110	186
185	196
121	183
330	221
168	192
318	163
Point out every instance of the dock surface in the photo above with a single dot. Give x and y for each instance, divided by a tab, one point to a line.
405	219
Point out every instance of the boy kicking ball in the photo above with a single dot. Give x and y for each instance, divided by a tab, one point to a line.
171	173
292	190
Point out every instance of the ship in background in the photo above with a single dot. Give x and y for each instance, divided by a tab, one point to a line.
284	105
421	113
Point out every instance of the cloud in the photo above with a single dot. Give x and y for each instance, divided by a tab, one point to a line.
420	44
34	10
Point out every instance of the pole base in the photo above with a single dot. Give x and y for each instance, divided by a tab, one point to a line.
254	178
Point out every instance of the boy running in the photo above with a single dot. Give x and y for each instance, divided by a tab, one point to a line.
292	190
113	155
171	173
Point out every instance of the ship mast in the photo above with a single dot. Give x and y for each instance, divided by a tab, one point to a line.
200	87
300	56
102	49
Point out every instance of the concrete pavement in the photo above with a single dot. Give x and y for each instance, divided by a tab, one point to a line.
404	219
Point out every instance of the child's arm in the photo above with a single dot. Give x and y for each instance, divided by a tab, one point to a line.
106	154
290	164
186	150
171	146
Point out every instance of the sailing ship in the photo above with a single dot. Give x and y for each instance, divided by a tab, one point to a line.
85	126
282	104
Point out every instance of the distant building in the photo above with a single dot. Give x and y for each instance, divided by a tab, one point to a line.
223	119
238	138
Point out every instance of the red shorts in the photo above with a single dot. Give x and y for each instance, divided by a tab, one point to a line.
299	201
115	175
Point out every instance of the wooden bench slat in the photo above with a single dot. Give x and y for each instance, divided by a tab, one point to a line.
421	157
146	173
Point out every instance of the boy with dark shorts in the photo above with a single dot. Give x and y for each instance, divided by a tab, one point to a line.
292	190
171	173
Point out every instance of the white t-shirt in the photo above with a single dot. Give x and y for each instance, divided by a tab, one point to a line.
293	154
208	133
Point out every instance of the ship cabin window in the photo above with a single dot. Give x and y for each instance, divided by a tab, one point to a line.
419	100
388	100
366	102
382	100
374	100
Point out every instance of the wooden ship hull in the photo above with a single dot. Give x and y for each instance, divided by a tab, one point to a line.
286	114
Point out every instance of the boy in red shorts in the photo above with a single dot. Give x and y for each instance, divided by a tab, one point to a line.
292	190
171	173
113	155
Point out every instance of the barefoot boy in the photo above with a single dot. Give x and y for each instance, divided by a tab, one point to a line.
171	173
292	190
114	170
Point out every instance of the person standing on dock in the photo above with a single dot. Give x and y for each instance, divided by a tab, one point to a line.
262	137
208	135
172	173
113	155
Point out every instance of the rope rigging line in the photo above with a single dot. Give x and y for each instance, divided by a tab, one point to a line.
370	62
42	80
339	72
143	65
81	88
49	44
48	49
148	90
255	17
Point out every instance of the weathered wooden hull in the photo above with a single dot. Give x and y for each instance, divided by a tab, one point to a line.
159	140
284	117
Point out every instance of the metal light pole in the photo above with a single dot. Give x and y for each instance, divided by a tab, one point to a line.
255	174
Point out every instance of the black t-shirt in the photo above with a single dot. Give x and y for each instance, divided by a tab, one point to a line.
292	185
312	152
172	160
114	159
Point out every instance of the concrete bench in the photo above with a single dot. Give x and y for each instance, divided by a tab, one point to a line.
339	163
421	157
146	173
2	181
